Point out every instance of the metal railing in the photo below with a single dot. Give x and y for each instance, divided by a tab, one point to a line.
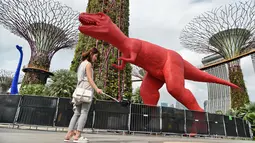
116	116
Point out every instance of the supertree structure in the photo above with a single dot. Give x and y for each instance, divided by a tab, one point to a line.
227	31
46	25
5	80
115	83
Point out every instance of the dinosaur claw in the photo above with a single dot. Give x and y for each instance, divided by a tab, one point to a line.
121	58
117	67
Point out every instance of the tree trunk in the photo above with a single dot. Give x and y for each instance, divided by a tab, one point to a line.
35	74
238	97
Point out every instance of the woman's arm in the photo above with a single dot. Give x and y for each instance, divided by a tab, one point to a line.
89	76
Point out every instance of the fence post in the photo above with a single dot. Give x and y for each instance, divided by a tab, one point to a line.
236	127
18	110
94	115
56	114
244	128
185	121
250	130
129	117
208	123
224	124
160	119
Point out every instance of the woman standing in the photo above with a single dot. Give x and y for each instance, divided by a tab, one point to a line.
85	80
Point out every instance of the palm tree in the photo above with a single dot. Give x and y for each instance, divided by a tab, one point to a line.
247	112
62	84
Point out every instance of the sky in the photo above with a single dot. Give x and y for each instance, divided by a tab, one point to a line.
159	22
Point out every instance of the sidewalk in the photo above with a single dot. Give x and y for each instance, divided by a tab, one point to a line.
51	136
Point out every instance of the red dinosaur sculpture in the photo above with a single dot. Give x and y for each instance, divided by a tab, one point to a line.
162	65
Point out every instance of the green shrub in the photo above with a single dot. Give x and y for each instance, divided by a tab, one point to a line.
33	89
63	84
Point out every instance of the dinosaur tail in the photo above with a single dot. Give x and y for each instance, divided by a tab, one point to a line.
193	73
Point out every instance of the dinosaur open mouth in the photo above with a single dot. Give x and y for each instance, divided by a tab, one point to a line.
87	22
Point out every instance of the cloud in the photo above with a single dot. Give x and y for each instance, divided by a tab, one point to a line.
62	59
8	52
76	5
192	57
199	1
249	76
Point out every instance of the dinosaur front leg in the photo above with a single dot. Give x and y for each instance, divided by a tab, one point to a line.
132	48
130	59
149	89
125	58
123	64
120	67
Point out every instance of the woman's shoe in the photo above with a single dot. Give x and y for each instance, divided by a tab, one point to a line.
67	138
81	140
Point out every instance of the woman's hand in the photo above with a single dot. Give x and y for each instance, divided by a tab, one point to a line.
99	91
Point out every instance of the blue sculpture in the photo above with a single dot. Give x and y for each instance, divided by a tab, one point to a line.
14	86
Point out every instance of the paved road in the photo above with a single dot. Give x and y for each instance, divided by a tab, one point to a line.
33	136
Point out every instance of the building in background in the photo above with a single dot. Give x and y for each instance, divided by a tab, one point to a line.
178	105
163	104
218	95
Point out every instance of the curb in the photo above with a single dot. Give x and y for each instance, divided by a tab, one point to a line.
37	127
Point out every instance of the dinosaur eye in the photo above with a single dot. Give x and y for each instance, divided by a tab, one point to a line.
100	15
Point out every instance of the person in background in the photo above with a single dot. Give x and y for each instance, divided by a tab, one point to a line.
85	80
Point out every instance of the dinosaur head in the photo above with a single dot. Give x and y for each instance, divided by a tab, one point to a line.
19	48
95	25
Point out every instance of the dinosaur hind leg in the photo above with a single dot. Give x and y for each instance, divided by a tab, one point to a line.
174	78
149	89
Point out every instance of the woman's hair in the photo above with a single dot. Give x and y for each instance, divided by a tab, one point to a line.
88	55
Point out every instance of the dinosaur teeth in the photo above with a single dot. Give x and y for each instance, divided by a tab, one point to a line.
90	22
87	21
